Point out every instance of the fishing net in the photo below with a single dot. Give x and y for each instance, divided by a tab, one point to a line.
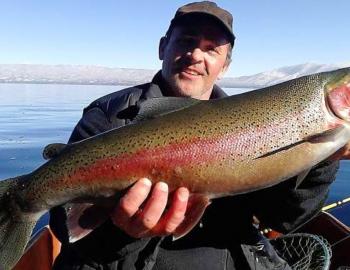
304	251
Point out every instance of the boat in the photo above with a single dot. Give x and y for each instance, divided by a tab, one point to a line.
44	247
41	251
332	233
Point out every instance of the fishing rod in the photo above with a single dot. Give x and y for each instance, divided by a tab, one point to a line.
325	208
333	206
336	204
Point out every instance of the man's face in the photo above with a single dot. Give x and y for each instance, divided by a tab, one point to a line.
193	58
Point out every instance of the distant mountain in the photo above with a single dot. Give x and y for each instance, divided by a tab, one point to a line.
280	75
98	75
72	74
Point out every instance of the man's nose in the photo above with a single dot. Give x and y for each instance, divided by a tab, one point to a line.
196	54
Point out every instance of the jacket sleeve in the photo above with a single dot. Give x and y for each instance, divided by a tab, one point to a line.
284	207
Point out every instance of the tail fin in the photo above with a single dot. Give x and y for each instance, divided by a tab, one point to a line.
15	225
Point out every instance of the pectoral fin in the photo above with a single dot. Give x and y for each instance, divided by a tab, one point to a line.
284	148
326	136
195	210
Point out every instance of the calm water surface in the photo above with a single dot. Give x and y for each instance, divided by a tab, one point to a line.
34	115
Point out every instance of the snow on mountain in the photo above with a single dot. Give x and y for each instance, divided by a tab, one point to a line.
70	74
279	75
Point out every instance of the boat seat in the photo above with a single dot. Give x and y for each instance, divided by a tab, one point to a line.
41	251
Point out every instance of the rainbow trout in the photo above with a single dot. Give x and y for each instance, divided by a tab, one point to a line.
214	148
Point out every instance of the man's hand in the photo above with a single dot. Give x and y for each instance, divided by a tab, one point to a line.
141	212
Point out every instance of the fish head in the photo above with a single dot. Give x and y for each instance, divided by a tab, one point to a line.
337	90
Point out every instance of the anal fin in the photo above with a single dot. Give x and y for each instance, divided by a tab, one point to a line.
83	218
195	210
301	177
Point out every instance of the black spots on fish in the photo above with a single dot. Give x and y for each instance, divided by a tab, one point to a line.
84	162
186	137
203	132
54	170
231	118
205	124
216	128
78	162
195	127
161	136
241	128
133	144
8	195
117	148
207	166
225	126
240	156
129	144
143	144
191	167
114	167
63	188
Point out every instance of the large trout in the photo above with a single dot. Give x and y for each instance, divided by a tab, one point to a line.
214	148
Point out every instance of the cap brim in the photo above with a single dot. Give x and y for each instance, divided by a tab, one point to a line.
227	29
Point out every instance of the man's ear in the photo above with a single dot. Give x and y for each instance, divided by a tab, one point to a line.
162	44
223	70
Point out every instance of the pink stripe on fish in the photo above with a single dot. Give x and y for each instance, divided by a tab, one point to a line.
166	159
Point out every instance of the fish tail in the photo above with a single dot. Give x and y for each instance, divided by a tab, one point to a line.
16	226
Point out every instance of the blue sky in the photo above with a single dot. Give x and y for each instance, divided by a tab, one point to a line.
270	34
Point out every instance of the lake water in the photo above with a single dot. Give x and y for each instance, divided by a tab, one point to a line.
34	115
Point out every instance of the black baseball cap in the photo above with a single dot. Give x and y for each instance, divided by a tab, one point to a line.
206	8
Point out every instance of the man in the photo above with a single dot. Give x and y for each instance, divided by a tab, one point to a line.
196	51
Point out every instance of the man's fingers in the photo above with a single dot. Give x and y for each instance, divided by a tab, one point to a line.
153	209
141	212
176	212
130	203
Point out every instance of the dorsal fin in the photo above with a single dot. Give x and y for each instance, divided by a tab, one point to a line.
197	203
52	150
154	107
